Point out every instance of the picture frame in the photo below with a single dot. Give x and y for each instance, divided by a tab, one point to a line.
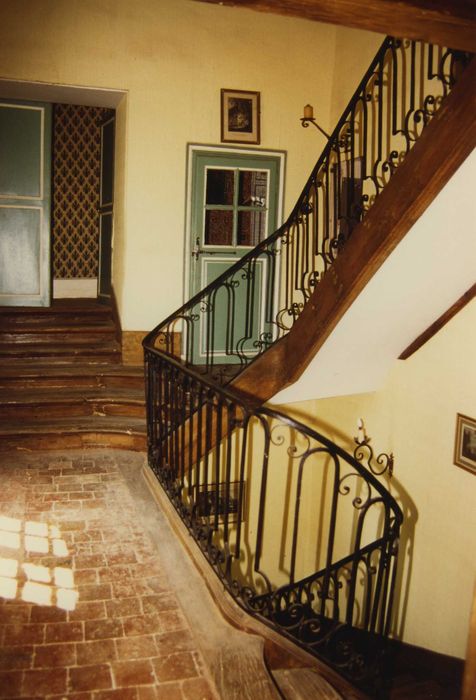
240	116
465	443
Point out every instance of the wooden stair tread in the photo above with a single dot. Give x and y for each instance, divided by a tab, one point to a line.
304	684
420	690
74	425
54	329
56	395
29	375
100	352
11	348
55	341
68	321
37	369
61	306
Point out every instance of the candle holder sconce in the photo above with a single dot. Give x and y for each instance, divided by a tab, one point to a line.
364	454
344	140
308	118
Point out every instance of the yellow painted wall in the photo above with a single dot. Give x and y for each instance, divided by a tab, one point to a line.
414	416
172	57
354	52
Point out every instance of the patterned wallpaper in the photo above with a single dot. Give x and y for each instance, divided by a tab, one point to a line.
76	171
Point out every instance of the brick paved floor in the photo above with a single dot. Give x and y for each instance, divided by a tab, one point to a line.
86	611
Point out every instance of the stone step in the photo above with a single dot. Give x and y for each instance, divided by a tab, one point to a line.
304	684
61	308
61	402
100	352
31	374
76	432
80	336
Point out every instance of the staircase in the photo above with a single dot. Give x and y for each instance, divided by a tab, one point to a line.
62	384
303	535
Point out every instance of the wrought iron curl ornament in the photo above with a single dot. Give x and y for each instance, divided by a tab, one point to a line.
265	340
365	454
292	450
358	502
206	306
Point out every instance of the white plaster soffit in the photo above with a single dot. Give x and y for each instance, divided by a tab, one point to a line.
427	272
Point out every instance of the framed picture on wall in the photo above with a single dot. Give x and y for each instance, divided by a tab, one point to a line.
240	116
465	443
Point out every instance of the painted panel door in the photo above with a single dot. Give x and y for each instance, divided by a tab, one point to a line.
25	195
106	203
234	207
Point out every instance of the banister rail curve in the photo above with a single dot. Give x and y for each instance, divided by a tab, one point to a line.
301	534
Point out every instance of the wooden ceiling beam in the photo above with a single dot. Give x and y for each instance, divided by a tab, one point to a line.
446	22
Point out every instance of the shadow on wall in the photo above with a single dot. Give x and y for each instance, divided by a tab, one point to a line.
407	535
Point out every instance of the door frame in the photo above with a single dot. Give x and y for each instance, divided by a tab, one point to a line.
106	212
193	148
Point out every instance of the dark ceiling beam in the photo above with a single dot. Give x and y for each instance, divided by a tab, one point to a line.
449	23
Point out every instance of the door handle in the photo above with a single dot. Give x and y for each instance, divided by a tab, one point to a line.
196	250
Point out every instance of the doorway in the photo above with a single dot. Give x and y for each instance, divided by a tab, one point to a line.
82	185
234	202
67	243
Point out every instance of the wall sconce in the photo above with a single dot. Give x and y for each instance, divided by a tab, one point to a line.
308	118
365	454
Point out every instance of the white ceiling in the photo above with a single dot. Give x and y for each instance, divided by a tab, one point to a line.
429	270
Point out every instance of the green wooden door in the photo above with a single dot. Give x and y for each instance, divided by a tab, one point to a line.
25	194
235	203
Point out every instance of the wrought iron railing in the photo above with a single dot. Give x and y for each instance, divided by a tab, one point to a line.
257	300
300	533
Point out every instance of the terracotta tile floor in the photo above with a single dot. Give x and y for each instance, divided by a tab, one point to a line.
86	610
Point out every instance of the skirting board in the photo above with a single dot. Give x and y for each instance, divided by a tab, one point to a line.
73	288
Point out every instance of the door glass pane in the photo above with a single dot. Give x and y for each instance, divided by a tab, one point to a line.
251	227
220	186
218	227
253	188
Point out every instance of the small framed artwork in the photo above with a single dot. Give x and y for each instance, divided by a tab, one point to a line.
240	116
465	443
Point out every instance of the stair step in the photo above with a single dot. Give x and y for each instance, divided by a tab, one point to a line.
60	307
80	336
71	402
421	690
79	431
32	375
303	684
103	351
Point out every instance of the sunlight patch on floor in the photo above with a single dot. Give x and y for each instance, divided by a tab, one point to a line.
30	581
